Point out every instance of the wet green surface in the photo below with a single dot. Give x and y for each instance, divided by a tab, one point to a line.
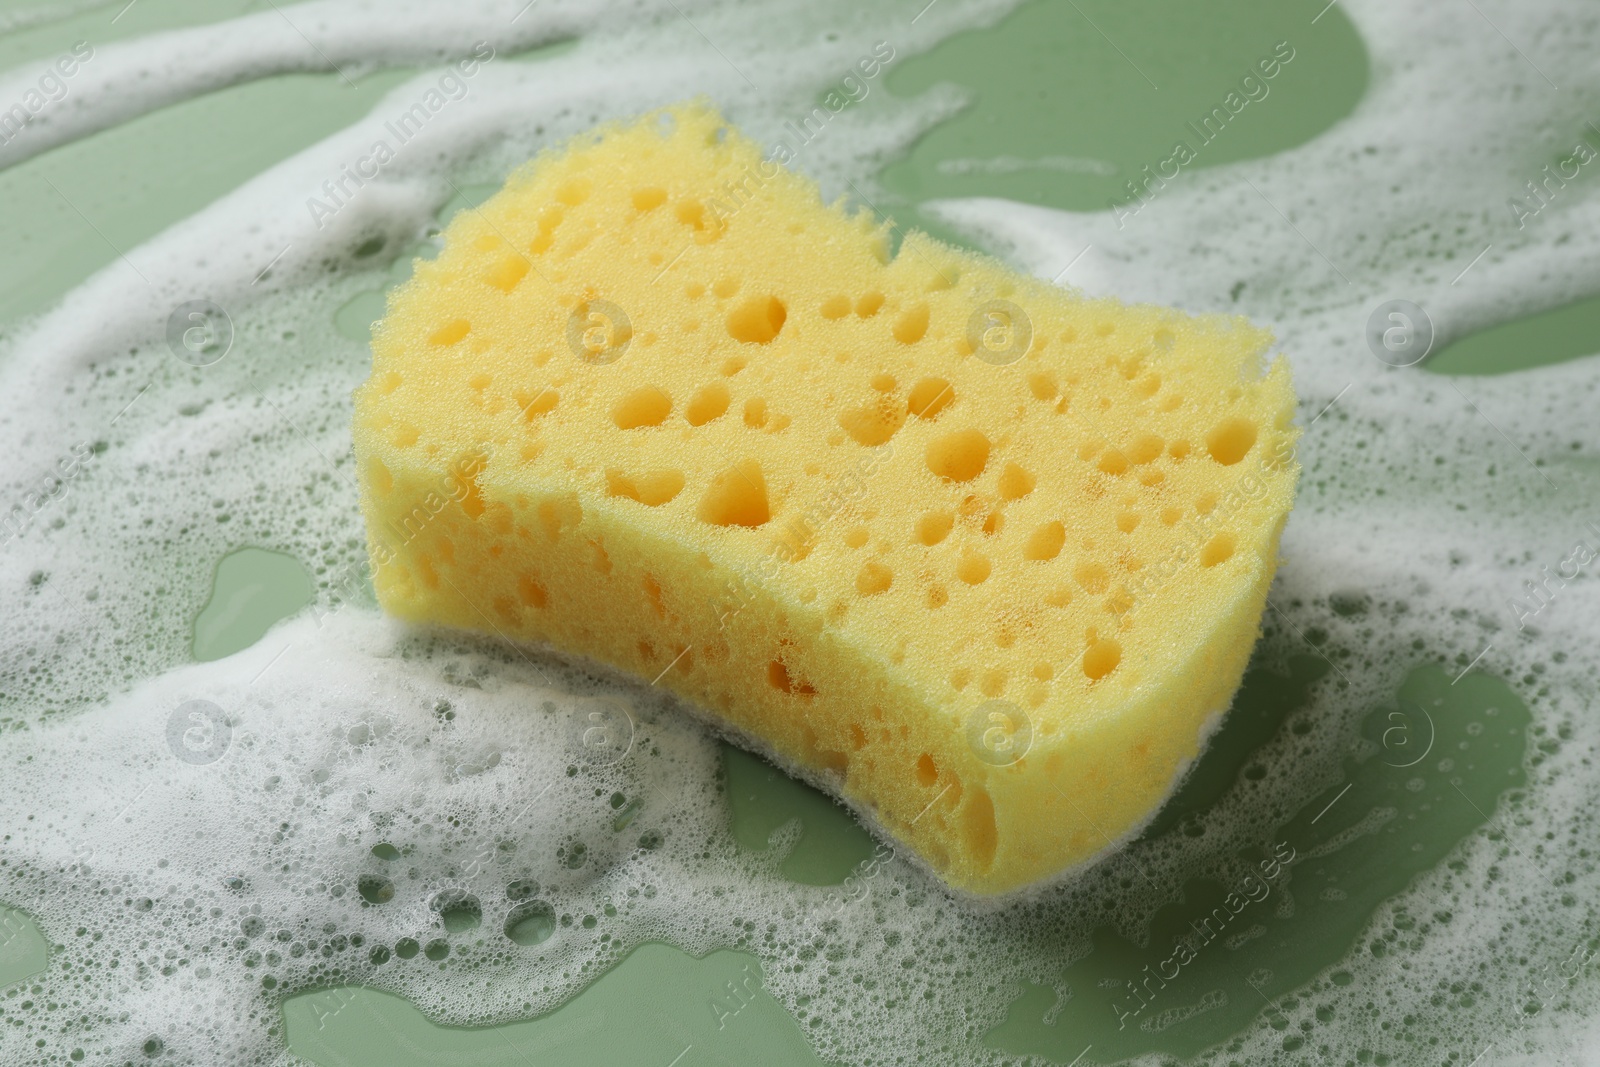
39	29
1434	768
659	1006
355	316
1272	934
762	800
1264	700
1433	771
79	207
655	1003
252	590
1074	98
23	949
76	208
1554	336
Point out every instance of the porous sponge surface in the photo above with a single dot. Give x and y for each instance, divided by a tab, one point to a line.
982	554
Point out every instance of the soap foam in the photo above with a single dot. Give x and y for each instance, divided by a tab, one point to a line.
192	837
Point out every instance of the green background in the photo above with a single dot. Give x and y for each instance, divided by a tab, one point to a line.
1075	96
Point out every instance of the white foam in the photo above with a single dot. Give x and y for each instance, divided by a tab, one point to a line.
336	741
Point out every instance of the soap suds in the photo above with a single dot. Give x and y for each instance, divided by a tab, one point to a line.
185	894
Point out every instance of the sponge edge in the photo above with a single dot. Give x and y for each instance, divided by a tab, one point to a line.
992	603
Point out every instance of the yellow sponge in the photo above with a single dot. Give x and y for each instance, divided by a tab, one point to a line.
982	556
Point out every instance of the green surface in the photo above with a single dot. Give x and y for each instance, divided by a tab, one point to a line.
1439	760
762	800
73	209
659	1006
1554	336
1437	763
1074	98
251	591
1265	698
40	29
79	207
23	949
